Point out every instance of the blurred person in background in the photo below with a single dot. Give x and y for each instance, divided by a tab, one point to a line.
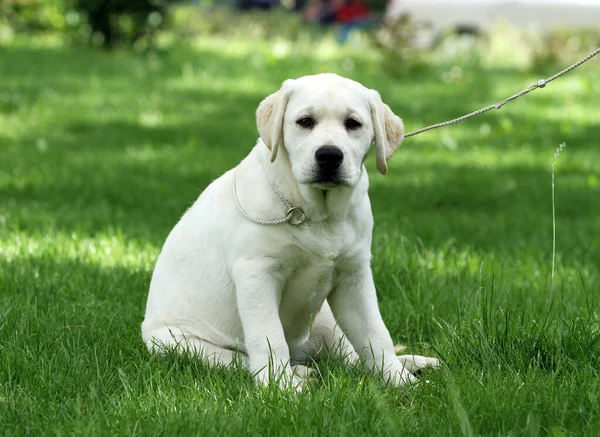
349	14
353	14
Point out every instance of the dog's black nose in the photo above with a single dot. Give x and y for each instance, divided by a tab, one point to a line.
329	157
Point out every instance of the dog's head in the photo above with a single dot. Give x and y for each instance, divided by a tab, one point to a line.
327	123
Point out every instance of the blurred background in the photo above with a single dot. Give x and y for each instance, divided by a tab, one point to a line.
547	27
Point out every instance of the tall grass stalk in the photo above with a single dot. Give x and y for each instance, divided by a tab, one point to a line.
556	154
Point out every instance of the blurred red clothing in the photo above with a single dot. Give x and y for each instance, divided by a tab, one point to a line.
352	11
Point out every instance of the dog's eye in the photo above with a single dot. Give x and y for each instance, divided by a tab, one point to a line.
306	122
352	124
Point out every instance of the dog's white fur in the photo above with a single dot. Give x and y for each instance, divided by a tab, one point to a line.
277	295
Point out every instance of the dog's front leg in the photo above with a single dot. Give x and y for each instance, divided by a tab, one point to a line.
258	290
353	302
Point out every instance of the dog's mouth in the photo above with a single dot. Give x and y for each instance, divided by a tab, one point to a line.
328	183
327	180
325	185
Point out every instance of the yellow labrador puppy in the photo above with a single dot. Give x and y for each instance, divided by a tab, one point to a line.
272	263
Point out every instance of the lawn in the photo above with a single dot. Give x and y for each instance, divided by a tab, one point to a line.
100	154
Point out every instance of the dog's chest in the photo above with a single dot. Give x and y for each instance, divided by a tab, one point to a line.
326	241
316	260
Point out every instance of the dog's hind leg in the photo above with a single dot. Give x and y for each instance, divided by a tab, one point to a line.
172	338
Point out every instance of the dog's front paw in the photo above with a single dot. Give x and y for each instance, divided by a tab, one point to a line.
399	376
286	377
415	363
273	374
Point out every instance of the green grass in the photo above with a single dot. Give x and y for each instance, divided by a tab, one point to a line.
100	154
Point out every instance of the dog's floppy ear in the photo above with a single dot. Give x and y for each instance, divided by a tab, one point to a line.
389	130
269	117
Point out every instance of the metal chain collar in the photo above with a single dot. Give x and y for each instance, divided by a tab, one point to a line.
294	216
